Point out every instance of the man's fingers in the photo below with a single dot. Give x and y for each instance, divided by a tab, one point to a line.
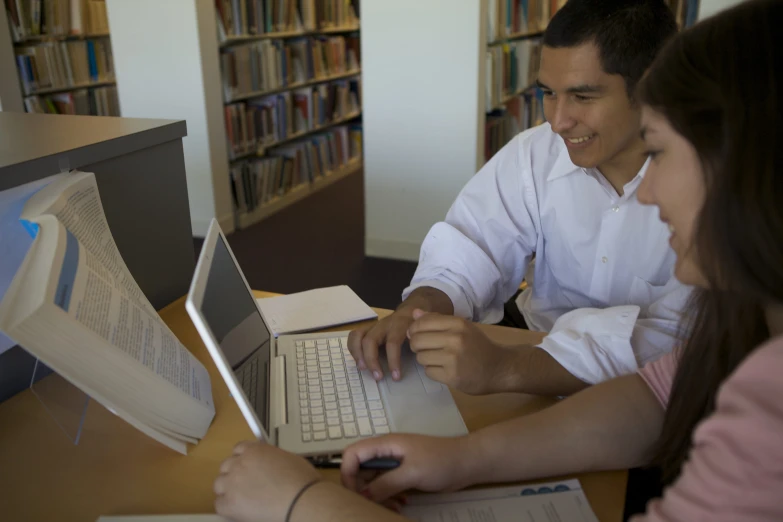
432	322
418	314
438	373
431	341
394	340
370	351
428	358
355	345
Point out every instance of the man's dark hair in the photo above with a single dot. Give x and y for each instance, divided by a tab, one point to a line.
628	33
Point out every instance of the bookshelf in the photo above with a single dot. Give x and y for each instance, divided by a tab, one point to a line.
298	193
263	148
283	35
307	83
62	56
513	53
293	97
39	38
522	35
271	91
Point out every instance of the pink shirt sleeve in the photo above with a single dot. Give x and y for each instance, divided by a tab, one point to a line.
734	472
659	376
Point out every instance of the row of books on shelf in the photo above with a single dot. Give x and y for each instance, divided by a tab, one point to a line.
511	68
510	18
269	65
263	122
520	113
257	182
516	18
100	101
685	11
55	18
258	17
56	65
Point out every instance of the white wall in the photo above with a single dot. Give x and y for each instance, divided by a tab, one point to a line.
420	73
710	7
10	90
166	60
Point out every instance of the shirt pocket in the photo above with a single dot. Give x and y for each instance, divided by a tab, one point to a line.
643	293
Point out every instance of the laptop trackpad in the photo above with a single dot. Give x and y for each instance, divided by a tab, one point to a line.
414	381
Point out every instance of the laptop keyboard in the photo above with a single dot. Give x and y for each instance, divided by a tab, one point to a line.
336	400
248	378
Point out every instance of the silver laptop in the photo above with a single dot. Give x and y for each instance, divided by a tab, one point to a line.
304	393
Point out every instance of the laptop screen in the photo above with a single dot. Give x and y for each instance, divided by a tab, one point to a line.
230	312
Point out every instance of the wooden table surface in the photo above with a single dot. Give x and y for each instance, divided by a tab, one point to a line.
117	470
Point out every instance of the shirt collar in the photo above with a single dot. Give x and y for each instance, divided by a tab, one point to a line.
563	165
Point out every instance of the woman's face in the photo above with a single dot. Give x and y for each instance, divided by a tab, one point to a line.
674	182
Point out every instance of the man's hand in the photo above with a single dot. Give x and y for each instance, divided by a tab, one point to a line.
456	352
390	331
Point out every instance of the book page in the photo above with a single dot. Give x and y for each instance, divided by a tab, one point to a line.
551	502
87	292
314	310
74	200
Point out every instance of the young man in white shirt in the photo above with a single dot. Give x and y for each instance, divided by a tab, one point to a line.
563	194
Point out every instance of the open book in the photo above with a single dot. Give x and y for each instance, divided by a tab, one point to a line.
74	305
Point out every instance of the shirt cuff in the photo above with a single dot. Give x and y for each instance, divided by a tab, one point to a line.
594	345
460	303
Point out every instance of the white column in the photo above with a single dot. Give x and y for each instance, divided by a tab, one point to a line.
710	7
421	74
167	66
10	91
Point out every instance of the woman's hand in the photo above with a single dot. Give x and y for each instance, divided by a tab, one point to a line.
259	482
426	464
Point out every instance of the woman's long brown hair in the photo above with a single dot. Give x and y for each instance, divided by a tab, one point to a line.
720	86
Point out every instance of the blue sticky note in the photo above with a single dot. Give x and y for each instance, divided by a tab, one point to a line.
32	228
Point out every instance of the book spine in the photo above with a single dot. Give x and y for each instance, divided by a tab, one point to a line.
91	61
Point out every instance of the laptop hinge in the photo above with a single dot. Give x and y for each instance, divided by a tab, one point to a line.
279	393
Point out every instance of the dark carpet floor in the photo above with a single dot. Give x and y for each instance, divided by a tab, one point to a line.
319	242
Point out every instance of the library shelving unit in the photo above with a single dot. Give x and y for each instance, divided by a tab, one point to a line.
61	55
513	52
270	90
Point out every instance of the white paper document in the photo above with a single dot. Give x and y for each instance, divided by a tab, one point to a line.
314	310
552	502
163	518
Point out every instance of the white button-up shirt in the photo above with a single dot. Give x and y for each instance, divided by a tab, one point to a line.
602	280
